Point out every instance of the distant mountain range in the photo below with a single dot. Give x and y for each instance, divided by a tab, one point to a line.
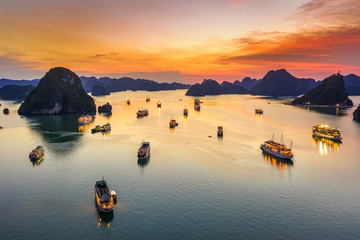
212	87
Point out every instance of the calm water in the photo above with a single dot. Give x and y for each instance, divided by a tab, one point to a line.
194	186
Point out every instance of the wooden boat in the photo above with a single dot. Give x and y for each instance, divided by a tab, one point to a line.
103	128
144	150
159	104
173	123
103	198
142	113
259	111
186	112
148	100
220	131
85	119
128	102
37	153
197	107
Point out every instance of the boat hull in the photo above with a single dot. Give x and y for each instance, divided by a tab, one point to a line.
145	157
327	137
103	210
275	154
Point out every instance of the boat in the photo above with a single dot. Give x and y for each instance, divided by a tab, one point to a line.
173	123
85	119
186	112
277	149
220	131
128	102
148	100
259	111
324	131
144	150
103	128
104	200
142	113
37	153
159	104
197	107
197	101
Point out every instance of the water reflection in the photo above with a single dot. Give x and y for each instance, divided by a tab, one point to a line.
60	132
326	145
104	219
279	163
106	115
326	110
143	162
83	128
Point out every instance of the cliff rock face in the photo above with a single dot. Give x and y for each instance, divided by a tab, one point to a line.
59	91
15	92
106	108
281	83
356	113
100	90
330	92
212	87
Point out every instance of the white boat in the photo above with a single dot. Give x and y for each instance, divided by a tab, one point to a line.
144	150
277	149
324	131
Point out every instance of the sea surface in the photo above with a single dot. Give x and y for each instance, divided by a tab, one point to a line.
195	185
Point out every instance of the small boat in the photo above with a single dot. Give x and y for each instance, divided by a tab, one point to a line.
148	100
259	111
159	104
37	153
173	123
128	102
85	119
197	101
220	131
142	113
324	131
277	149
197	107
104	200
103	128
186	112
144	150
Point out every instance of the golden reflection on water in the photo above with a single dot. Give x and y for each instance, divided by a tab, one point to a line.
326	145
83	128
278	163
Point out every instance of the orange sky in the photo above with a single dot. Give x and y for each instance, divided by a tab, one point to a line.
219	39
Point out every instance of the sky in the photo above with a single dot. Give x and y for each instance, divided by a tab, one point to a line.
172	40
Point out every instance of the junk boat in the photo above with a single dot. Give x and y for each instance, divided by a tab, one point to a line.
324	131
128	102
173	123
159	104
259	111
148	100
197	101
197	107
220	131
104	200
186	112
37	153
144	151
277	149
142	113
103	128
85	119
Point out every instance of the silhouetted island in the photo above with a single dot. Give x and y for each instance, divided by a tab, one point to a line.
15	92
281	83
59	91
356	113
106	108
352	84
247	82
331	92
99	90
212	87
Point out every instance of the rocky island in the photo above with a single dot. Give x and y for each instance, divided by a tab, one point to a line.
356	114
100	90
59	91
281	83
106	108
15	92
331	92
212	87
